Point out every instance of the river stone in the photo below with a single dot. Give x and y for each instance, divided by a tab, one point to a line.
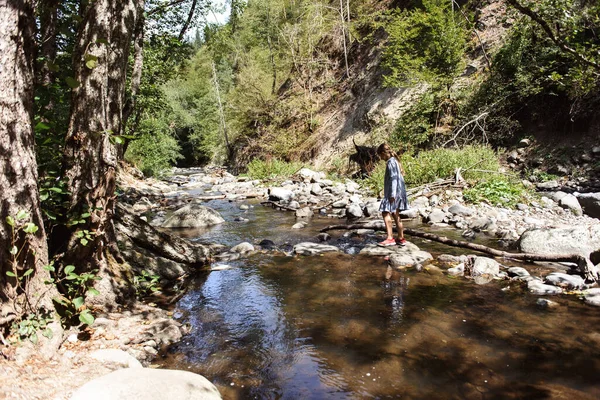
148	384
307	174
590	203
316	189
420	202
459	270
280	194
436	216
243	247
354	211
409	258
372	209
340	203
459	209
305	212
570	202
324	237
299	225
546	304
375	250
485	266
481	224
294	204
592	297
581	240
547	185
518	272
538	288
555	196
116	356
565	280
311	249
267	244
193	216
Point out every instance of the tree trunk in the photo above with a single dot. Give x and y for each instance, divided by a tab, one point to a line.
48	12
18	168
100	60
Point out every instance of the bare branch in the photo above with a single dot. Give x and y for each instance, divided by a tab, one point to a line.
188	21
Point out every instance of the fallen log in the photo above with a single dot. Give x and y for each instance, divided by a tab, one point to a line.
277	205
586	268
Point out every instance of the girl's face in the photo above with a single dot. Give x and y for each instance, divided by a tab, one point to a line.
384	154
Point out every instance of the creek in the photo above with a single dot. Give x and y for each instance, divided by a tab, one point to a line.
346	326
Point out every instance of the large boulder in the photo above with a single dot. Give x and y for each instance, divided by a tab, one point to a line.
193	216
581	240
459	209
312	249
590	203
148	384
280	194
570	202
408	259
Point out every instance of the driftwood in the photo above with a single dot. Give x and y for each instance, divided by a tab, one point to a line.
586	268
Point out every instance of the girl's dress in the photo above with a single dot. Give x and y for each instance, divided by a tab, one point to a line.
393	186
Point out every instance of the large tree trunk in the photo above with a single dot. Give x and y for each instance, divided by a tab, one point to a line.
48	12
18	168
100	61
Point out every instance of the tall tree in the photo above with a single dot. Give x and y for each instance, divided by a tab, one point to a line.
100	61
23	249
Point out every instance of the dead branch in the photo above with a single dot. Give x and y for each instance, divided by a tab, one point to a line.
474	120
587	270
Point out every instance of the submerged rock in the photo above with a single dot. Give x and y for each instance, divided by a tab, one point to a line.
539	288
311	249
546	304
243	247
592	297
193	216
565	280
409	259
148	384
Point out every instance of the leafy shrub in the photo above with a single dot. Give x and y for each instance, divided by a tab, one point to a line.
155	150
500	191
272	169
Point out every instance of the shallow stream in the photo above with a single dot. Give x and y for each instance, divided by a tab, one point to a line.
349	327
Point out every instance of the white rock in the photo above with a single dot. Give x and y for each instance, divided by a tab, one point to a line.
243	247
570	202
565	280
311	249
116	356
538	288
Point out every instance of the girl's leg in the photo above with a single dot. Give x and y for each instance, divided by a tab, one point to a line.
399	225
388	224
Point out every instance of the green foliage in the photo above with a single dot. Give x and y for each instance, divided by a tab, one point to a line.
476	162
74	287
416	126
272	169
28	327
498	191
425	44
145	283
155	150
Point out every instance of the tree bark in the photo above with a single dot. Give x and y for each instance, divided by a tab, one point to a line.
100	60
48	12
586	268
18	167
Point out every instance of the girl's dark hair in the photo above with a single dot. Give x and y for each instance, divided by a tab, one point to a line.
385	148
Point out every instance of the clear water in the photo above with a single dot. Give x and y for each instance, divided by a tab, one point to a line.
349	327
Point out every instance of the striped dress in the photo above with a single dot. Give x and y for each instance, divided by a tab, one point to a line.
393	186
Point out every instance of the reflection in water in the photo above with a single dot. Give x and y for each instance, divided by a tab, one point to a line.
349	327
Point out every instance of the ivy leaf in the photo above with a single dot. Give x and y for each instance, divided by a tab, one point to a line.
91	61
22	215
78	302
71	82
93	292
30	227
84	241
86	317
48	333
49	267
33	338
10	220
69	269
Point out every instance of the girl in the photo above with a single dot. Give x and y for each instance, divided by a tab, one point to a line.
394	196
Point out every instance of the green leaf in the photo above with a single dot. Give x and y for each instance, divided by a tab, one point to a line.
69	269
41	127
56	190
49	267
48	333
10	220
30	227
91	64
78	302
22	215
28	272
52	66
71	277
71	82
14	250
85	215
102	41
93	292
86	317
34	338
84	241
60	300
9	273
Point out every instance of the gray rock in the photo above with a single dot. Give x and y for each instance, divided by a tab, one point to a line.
409	258
354	211
436	216
546	304
580	239
280	194
311	249
565	280
243	247
481	224
375	250
538	288
459	270
556	196
547	185
148	384
590	203
193	216
524	143
294	204
484	265
115	357
411	213
244	207
592	297
596	150
518	272
299	225
305	212
324	237
420	202
340	203
459	209
570	202
372	209
434	200
559	170
450	259
316	189
522	207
